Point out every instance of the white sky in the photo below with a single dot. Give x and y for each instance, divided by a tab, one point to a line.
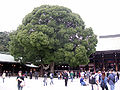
102	15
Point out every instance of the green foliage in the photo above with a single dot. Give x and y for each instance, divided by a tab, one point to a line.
4	39
53	34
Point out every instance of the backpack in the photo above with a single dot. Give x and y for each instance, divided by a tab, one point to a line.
92	79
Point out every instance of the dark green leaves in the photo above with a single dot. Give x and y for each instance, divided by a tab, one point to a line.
53	34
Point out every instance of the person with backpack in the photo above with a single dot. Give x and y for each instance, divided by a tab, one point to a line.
98	78
111	80
103	83
92	80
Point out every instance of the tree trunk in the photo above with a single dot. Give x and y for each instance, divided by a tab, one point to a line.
52	67
41	71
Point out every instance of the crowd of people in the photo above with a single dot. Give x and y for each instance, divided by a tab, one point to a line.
95	79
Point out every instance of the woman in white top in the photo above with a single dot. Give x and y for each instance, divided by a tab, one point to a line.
3	76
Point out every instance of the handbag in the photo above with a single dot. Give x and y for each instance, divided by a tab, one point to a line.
22	84
103	84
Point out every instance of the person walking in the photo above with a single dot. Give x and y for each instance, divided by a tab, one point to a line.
103	83
71	76
36	75
117	75
30	74
45	79
65	77
98	78
111	80
3	76
92	80
51	77
20	80
58	75
26	74
9	74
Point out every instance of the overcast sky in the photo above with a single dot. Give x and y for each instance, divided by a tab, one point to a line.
102	15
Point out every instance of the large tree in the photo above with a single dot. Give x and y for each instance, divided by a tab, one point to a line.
4	39
53	34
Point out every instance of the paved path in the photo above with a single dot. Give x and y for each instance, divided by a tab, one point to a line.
11	84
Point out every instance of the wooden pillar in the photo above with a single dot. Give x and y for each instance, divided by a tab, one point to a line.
103	62
94	62
88	68
94	66
116	67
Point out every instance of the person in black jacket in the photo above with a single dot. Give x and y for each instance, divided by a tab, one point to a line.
66	77
20	80
30	74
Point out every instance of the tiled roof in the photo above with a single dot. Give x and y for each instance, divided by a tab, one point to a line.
6	58
109	42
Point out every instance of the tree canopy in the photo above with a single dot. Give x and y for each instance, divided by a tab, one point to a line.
53	34
4	39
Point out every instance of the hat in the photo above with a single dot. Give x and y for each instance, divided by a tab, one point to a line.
20	72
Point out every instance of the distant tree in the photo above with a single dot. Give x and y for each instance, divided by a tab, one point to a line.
4	39
53	34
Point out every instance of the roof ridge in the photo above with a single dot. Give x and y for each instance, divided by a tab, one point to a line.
110	36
